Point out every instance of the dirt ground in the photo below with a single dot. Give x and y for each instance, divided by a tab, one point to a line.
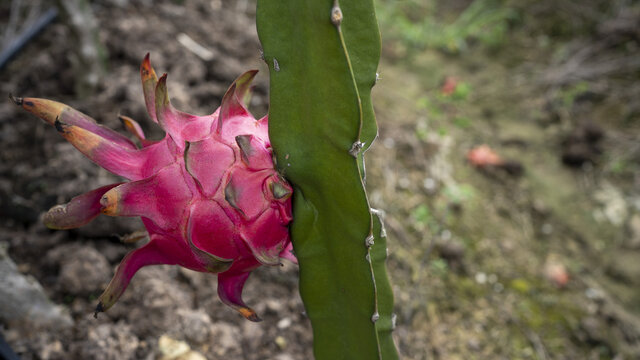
485	264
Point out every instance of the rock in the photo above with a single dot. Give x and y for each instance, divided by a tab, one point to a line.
83	270
152	300
451	250
593	330
625	267
582	144
614	205
23	301
195	325
281	342
227	340
632	241
284	356
172	349
109	341
253	334
284	323
52	350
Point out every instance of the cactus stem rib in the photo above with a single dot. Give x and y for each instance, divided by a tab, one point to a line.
336	19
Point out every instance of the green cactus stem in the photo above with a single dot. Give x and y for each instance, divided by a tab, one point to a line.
322	57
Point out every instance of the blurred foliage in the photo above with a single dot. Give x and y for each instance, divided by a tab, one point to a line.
418	25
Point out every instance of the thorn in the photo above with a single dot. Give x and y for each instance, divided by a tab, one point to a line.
16	100
369	241
355	148
336	14
375	317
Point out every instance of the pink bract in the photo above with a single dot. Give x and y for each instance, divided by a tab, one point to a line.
208	193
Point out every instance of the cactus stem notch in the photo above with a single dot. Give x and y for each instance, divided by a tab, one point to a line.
375	317
369	241
355	148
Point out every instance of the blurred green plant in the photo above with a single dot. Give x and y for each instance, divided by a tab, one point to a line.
439	267
459	193
462	122
416	24
461	92
423	217
572	92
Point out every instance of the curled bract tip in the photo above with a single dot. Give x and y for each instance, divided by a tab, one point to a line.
146	69
99	309
249	314
109	203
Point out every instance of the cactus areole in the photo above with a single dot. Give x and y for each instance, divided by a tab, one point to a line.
208	193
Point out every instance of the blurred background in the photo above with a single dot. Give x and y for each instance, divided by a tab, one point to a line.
507	164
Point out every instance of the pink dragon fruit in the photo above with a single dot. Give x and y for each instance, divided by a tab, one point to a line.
208	193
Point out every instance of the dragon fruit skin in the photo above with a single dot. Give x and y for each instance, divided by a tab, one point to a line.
208	193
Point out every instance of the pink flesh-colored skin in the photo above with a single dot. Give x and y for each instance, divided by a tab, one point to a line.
178	188
207	172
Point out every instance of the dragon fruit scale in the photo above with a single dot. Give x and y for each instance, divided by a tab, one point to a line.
208	193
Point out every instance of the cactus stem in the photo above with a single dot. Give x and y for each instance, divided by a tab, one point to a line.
380	214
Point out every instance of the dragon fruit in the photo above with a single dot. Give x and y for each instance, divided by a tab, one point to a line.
208	193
